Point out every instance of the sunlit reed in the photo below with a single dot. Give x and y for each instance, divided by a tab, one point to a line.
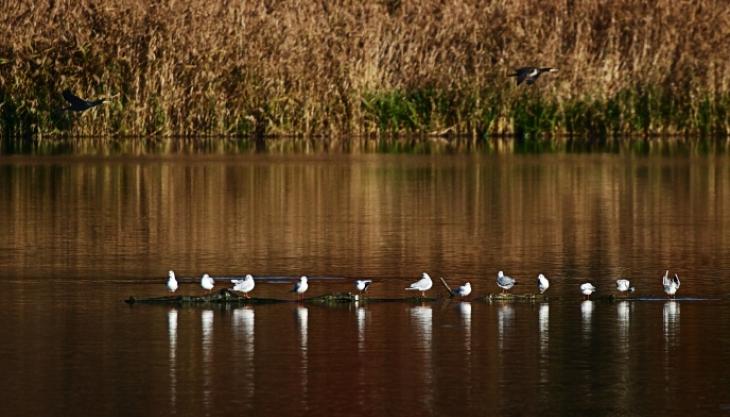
304	68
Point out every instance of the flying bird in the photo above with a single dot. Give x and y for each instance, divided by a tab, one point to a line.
671	285
542	283
207	282
424	284
171	282
77	103
530	74
504	282
244	285
301	287
587	289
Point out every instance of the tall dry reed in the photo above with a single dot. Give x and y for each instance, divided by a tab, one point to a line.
301	67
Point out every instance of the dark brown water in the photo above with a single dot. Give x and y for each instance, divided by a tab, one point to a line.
80	232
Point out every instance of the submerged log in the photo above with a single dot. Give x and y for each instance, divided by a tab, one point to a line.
355	298
508	297
226	296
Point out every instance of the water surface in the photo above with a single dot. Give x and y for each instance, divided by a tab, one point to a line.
81	231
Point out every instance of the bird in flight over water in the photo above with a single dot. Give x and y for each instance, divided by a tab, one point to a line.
530	74
77	103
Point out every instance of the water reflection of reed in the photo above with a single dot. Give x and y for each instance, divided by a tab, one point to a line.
63	216
180	146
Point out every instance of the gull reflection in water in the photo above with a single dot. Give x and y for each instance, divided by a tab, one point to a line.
467	392
206	321
243	324
422	316
586	311
302	319
172	334
505	313
670	315
622	355
623	315
543	320
465	310
361	315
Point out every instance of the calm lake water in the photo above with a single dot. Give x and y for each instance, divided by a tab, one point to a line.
85	225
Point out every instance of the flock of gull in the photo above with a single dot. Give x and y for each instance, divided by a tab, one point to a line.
246	285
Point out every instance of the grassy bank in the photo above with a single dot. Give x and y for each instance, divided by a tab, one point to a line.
327	68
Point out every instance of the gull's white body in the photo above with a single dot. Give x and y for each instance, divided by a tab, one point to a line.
362	285
207	282
671	285
245	285
504	282
463	290
424	284
171	282
542	283
624	285
587	289
301	286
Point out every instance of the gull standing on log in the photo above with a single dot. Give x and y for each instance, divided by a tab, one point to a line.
542	283
587	289
424	284
504	282
301	287
671	285
171	282
462	291
244	285
207	282
362	285
624	285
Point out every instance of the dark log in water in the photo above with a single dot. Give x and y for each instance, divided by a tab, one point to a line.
226	296
509	297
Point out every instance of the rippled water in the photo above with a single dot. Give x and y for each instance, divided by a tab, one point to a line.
80	232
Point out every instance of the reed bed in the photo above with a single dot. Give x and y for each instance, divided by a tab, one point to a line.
304	68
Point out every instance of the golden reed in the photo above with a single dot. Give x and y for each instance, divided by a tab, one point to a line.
303	67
